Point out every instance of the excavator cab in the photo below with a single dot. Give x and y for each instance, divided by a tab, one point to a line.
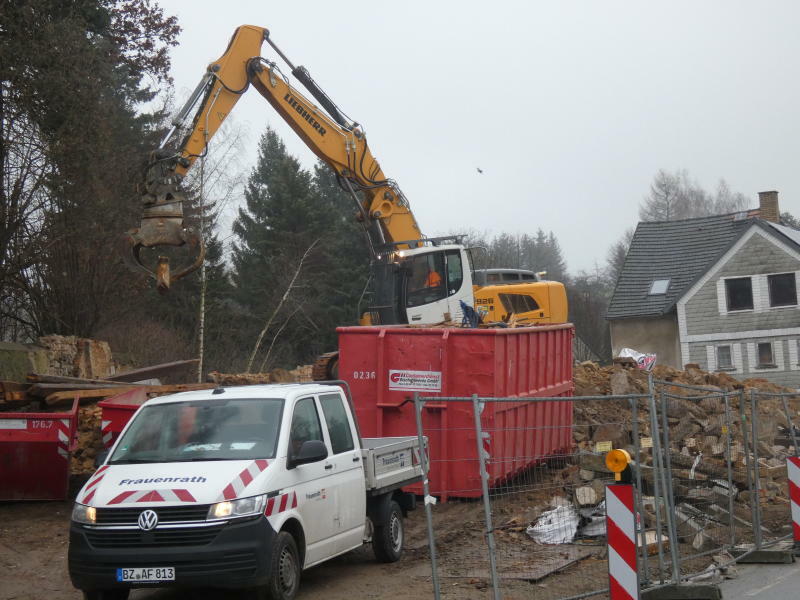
424	285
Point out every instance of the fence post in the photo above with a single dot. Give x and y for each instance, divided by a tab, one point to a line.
790	424
623	573
427	498
658	494
729	462
638	494
669	495
487	509
756	472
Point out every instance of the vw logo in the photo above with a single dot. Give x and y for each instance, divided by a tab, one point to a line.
148	519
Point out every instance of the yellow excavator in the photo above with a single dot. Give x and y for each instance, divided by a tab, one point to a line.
415	279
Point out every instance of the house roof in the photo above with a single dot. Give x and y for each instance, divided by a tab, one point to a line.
680	251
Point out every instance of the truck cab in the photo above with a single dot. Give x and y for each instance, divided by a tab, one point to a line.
238	487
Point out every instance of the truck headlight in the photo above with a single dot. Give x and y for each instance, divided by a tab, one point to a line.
237	508
84	514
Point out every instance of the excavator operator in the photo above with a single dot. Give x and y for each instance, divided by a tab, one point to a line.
433	279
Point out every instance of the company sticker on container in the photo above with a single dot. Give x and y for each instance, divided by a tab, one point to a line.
415	381
13	423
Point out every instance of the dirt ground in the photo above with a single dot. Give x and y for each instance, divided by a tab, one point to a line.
33	562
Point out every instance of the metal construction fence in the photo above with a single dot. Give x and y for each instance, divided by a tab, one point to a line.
527	517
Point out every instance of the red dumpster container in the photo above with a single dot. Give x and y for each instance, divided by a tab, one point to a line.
34	454
385	365
117	411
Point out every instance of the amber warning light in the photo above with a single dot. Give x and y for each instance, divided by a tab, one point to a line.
617	462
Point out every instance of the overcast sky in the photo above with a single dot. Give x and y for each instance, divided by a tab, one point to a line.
569	108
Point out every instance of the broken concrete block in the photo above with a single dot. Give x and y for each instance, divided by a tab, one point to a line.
585	496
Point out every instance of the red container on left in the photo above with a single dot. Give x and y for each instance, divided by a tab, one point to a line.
35	450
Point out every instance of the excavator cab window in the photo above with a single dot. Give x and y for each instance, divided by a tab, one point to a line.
426	273
455	272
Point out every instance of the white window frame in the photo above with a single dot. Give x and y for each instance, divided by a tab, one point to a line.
722	285
769	294
777	356
729	367
767	365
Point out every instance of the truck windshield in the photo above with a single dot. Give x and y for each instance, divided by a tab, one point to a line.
203	430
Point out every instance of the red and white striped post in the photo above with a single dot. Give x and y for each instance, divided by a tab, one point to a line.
623	572
793	466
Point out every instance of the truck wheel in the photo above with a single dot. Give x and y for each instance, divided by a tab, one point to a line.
387	539
106	595
284	572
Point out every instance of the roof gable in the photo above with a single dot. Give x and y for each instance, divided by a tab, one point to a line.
680	251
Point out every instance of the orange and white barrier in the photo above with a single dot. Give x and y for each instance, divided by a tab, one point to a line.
793	465
623	573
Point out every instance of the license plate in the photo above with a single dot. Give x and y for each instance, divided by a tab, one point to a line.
146	574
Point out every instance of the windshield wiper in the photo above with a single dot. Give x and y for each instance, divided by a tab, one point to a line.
132	461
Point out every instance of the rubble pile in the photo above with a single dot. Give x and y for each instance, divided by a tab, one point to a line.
700	438
72	356
300	374
90	440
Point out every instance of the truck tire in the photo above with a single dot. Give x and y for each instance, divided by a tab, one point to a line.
284	571
106	595
389	533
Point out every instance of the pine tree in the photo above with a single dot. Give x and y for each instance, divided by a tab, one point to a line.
287	210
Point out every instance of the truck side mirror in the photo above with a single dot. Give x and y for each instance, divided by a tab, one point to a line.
310	452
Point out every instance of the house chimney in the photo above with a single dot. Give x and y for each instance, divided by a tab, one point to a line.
768	206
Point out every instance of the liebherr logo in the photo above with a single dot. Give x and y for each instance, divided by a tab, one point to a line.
292	101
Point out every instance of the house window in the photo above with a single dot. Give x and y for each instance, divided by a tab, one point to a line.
782	290
659	286
739	292
724	358
765	357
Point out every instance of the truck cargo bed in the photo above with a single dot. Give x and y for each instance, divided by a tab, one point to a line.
390	463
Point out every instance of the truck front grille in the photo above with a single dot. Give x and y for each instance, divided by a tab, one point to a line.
132	538
166	514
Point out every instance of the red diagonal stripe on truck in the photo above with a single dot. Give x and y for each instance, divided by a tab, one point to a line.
152	496
270	507
121	498
184	495
294	500
229	493
284	500
245	477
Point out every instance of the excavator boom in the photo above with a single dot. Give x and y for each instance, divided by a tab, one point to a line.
342	144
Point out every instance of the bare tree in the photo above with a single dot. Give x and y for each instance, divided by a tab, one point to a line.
23	205
676	196
278	307
615	257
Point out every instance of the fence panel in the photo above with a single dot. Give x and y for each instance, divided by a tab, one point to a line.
774	435
540	520
696	432
521	485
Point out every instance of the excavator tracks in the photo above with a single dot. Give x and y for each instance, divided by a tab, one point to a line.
326	367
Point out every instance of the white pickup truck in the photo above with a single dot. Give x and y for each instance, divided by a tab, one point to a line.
239	487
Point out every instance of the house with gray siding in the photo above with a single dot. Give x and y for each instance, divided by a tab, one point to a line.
718	291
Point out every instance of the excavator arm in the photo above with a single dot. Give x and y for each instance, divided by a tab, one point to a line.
339	142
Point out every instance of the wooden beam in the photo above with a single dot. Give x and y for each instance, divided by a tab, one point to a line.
155	370
58	397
